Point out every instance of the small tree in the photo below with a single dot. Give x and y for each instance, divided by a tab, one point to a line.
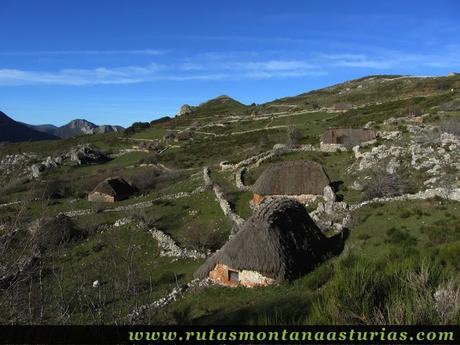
383	184
294	135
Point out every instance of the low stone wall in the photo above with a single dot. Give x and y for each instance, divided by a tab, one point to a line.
444	193
331	147
258	159
223	203
239	175
168	247
140	205
174	295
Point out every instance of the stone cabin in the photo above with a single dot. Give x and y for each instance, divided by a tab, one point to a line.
302	179
111	190
183	135
278	242
346	136
343	106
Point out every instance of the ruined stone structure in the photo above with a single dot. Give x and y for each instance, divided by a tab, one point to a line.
347	136
291	178
278	242
111	190
343	106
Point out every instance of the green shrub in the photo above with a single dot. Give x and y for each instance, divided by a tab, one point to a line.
396	236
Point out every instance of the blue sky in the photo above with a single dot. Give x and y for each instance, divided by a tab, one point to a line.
121	61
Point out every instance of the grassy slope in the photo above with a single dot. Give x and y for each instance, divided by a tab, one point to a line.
374	249
388	238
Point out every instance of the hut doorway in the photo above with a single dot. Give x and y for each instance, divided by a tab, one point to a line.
233	276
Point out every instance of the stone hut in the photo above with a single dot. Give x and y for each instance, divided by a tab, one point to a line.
111	190
291	178
183	135
347	136
278	242
343	106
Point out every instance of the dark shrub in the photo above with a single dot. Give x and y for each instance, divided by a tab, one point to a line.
383	184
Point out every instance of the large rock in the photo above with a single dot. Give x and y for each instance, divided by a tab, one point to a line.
86	155
37	169
185	109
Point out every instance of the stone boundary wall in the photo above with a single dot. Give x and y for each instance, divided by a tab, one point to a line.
140	205
444	193
258	159
169	248
239	180
175	294
223	203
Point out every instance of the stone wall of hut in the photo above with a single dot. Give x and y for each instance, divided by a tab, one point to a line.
100	197
220	275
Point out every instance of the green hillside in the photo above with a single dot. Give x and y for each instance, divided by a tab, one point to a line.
65	260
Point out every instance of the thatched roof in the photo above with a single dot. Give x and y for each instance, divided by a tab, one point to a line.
114	186
347	135
292	178
279	240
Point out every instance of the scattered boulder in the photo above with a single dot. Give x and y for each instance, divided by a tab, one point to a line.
329	194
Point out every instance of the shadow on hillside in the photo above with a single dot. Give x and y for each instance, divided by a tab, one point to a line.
284	310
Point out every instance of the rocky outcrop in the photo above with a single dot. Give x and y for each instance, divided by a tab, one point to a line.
16	165
185	110
86	155
79	155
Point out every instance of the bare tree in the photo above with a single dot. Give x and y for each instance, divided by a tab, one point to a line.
383	184
294	135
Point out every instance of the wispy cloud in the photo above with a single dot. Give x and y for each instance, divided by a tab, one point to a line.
215	70
101	75
356	60
220	66
84	52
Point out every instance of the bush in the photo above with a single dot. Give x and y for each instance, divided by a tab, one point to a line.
451	106
53	232
396	236
451	126
383	184
387	291
429	137
147	179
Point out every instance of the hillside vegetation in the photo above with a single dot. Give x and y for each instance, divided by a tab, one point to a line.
65	260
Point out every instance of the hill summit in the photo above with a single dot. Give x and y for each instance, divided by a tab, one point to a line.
221	105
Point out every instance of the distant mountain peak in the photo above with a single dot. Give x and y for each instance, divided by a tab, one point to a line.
13	131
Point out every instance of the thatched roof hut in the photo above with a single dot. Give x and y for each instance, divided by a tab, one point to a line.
111	189
279	241
292	178
347	136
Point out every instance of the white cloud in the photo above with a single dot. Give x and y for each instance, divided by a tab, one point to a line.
236	66
154	72
84	52
101	75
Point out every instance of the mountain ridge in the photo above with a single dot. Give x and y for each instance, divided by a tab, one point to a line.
14	131
76	127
